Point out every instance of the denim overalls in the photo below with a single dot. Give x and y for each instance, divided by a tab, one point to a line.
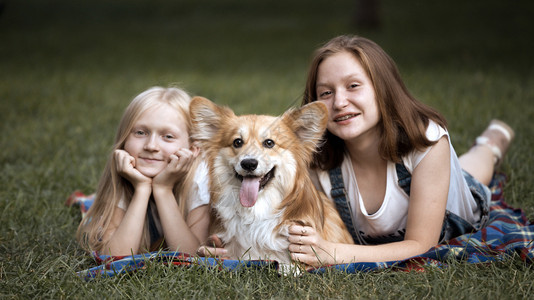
453	225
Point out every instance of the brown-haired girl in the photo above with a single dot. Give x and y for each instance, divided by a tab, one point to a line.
387	162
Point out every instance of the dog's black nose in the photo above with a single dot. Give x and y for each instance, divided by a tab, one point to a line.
249	164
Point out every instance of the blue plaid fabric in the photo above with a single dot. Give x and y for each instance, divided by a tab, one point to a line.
507	233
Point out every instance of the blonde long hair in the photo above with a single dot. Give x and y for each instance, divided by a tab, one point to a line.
113	187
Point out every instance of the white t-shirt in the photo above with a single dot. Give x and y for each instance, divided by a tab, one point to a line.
389	222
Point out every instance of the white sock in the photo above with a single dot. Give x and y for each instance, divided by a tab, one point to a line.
497	154
501	129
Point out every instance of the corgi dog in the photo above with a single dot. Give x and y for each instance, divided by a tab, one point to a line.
259	180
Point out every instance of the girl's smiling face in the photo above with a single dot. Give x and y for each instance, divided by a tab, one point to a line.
343	85
157	134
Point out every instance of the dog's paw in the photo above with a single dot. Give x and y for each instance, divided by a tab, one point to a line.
290	269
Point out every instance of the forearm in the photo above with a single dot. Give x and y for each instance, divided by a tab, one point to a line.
127	233
178	234
307	246
345	253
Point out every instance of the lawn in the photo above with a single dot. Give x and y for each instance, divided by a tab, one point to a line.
69	68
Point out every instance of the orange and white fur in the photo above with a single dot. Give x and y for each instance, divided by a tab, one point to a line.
259	180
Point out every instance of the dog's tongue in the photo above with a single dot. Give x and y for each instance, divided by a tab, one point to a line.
249	191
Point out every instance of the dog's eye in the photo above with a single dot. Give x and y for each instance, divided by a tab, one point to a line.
238	143
268	143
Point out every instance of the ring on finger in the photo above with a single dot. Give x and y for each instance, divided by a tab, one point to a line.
300	248
303	231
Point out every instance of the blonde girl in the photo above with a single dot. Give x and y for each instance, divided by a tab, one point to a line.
388	162
153	192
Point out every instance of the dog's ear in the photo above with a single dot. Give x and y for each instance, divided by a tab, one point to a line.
206	118
308	122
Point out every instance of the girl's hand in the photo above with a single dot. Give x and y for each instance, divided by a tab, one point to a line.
125	166
176	170
214	248
308	247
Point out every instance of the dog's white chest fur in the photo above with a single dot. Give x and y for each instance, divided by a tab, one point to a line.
251	232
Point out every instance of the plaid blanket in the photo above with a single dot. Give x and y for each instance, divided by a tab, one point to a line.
508	233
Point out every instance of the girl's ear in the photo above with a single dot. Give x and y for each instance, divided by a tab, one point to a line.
206	118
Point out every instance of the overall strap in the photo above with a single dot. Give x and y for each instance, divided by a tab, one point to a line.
152	227
405	178
342	205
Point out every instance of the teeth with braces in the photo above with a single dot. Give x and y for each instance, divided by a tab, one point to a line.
345	118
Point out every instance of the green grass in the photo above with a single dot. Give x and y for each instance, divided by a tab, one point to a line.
69	68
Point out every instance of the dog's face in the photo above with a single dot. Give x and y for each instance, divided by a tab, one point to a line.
255	155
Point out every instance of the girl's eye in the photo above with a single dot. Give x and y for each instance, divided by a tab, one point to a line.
324	94
238	143
268	143
354	85
139	132
169	136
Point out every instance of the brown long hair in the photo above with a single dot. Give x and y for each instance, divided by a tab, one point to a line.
403	119
112	187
